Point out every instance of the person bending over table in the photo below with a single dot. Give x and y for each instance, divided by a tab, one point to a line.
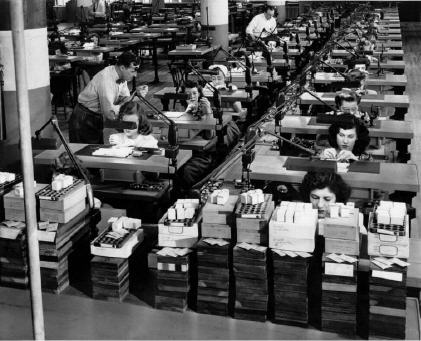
262	25
322	189
139	137
348	140
101	100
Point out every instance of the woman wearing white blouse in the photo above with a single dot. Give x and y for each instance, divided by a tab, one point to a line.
138	137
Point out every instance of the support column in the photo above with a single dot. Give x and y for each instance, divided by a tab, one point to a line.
218	20
280	6
36	46
304	6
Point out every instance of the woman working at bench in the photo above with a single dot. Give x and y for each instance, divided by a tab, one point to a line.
322	189
347	102
348	140
202	161
138	137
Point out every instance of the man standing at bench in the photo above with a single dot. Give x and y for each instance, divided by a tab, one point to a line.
101	100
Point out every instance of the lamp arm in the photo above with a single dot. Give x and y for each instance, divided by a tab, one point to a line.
76	163
320	100
333	68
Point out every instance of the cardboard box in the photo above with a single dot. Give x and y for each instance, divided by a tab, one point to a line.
178	234
303	229
124	251
71	197
380	244
176	240
342	227
291	244
220	214
347	247
216	231
59	216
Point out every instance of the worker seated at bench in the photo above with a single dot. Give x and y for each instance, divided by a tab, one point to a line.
138	137
322	189
348	140
347	102
197	104
219	81
202	161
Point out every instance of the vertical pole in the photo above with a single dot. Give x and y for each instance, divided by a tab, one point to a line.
18	37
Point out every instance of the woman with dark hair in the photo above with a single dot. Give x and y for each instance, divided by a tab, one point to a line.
203	161
141	135
322	189
348	140
197	105
347	102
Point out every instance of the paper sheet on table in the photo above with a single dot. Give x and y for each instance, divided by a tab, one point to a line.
174	114
392	276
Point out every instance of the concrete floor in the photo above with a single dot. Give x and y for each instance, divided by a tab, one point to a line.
72	317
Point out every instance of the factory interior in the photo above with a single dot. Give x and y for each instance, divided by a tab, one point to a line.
210	169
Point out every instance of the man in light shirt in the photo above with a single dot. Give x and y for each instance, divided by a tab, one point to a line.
262	25
98	9
101	100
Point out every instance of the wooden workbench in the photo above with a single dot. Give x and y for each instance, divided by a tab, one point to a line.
155	163
268	165
388	128
388	79
389	53
226	96
389	64
198	52
382	100
187	121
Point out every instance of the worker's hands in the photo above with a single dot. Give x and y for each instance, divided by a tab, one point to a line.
328	154
271	44
142	90
114	139
205	106
346	155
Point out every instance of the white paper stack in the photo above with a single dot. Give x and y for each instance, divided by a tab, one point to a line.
179	227
293	227
388	230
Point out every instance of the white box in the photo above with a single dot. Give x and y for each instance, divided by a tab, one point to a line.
176	240
388	245
306	229
123	252
289	215
291	244
383	217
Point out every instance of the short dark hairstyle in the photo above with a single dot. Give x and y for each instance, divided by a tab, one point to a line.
319	180
349	121
269	7
346	96
193	84
355	75
354	61
126	58
134	108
